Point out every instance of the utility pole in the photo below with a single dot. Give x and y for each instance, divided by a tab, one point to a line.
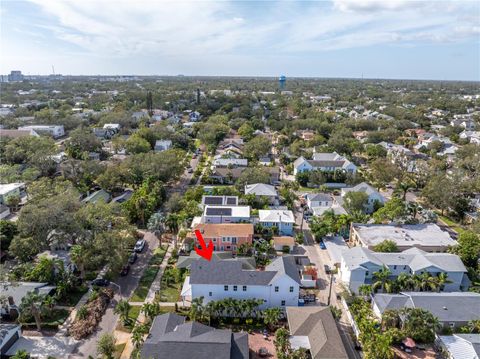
330	289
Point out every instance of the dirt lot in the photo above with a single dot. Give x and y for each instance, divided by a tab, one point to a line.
256	341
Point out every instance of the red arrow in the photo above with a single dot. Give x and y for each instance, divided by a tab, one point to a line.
204	251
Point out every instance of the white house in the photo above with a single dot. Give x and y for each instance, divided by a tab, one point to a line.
17	189
163	145
318	200
226	162
282	219
460	346
373	195
358	265
262	190
326	162
54	130
472	136
428	236
226	214
278	285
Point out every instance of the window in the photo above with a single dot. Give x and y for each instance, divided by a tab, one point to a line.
394	267
244	288
283	303
209	294
221	248
228	247
234	240
452	325
234	288
225	288
276	289
214	240
366	274
291	289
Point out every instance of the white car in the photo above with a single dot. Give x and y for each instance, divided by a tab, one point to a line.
139	245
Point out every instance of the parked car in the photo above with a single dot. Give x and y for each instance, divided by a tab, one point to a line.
140	245
322	245
190	170
101	282
133	258
327	269
125	270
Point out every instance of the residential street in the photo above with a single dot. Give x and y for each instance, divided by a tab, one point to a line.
127	284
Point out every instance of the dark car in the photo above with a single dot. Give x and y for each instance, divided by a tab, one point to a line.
133	258
101	282
322	245
125	270
327	268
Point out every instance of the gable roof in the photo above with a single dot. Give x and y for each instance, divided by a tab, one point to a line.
186	261
414	258
362	187
227	272
171	336
462	345
261	189
271	215
446	306
318	325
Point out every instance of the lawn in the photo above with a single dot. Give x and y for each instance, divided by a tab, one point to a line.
451	223
119	350
52	321
170	293
133	315
148	276
73	297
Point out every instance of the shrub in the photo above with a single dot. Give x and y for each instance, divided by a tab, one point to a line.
82	312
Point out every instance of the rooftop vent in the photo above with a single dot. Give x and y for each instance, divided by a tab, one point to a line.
445	308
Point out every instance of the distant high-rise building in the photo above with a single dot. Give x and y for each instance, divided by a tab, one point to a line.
282	81
15	76
198	96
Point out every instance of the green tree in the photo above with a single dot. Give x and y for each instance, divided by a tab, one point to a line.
468	248
246	131
136	144
8	230
419	324
355	201
381	172
196	308
382	280
282	343
439	192
21	354
123	310
257	147
151	310
79	258
33	305
386	246
271	317
394	210
138	335
106	346
81	142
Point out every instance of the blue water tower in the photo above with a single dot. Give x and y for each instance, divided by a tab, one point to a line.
281	81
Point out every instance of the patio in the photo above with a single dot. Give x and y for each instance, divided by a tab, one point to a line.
256	341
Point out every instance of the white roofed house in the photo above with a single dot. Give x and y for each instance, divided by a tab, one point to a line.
319	203
326	162
9	190
428	237
373	195
358	265
53	130
225	214
262	190
278	285
283	220
162	145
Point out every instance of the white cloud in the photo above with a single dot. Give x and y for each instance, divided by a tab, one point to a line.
143	28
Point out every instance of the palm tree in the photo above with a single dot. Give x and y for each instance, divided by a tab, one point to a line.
33	304
474	326
271	316
365	290
138	334
390	319
403	187
151	310
404	281
282	343
123	309
196	308
49	302
382	278
427	282
78	257
21	354
106	345
441	280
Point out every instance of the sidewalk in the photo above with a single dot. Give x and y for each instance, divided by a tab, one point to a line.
154	288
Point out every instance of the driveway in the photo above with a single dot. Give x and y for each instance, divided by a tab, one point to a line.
88	347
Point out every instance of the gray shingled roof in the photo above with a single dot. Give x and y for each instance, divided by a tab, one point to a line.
171	337
229	272
186	261
446	306
318	325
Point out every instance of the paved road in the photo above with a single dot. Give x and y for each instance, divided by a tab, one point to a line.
127	285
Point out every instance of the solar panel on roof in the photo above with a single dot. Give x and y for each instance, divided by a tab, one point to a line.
219	211
232	200
213	200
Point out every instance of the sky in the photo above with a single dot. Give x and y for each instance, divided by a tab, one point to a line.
400	39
